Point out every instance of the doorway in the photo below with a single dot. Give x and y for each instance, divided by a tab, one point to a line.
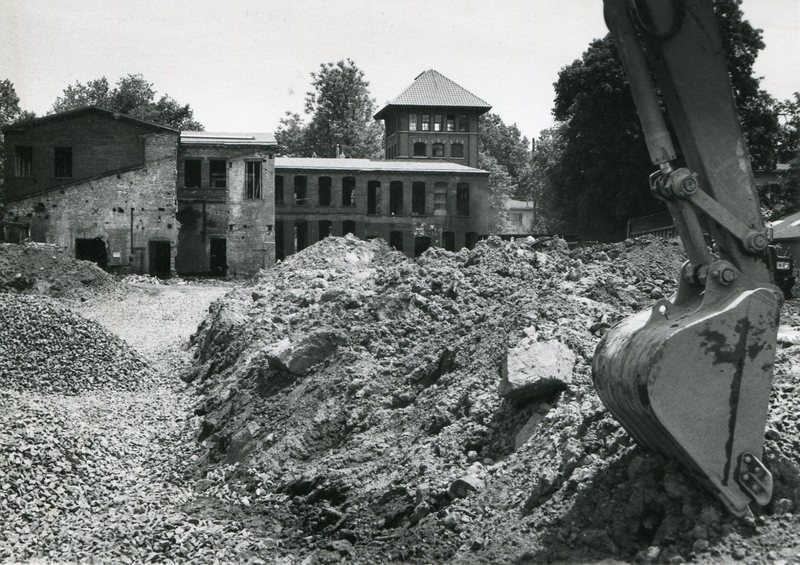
218	261
160	256
93	250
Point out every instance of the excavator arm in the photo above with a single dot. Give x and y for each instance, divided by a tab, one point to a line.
691	377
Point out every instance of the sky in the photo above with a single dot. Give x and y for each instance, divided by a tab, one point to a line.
242	64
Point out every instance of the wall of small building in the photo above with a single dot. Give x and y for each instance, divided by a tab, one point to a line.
126	211
100	144
246	224
307	217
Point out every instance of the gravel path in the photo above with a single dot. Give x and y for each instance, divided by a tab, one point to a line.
99	476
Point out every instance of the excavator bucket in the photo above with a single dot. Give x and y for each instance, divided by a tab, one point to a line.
691	378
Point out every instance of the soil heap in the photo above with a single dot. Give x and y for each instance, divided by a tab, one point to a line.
364	405
43	268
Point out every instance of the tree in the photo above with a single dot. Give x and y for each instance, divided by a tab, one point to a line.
544	172
506	144
133	96
340	112
501	186
601	179
10	112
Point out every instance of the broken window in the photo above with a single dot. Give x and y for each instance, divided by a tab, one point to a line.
63	162
412	122
440	199
191	173
437	122
278	190
426	122
395	198
252	179
449	240
420	149
462	122
451	122
348	226
324	189
396	240
300	185
324	229
373	197
462	199
218	174
24	161
349	191
438	149
457	150
418	198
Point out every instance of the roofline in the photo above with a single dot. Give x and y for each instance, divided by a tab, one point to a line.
86	110
379	115
469	171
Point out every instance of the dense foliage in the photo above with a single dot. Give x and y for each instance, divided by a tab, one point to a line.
132	96
340	114
10	112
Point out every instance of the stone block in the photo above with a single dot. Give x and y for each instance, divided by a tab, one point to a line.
536	369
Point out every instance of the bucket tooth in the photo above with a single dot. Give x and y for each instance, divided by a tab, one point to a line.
691	379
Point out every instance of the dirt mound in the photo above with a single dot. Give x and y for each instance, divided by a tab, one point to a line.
46	269
364	405
45	347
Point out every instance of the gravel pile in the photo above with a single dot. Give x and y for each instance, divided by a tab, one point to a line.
47	348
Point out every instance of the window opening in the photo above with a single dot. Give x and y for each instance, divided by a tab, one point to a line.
396	240
420	149
412	122
24	161
440	199
348	226
63	162
395	198
252	176
300	185
217	172
324	229
300	235
348	191
449	240
457	150
191	173
324	188
278	190
462	199
426	122
438	150
437	122
462	122
373	197
418	198
451	122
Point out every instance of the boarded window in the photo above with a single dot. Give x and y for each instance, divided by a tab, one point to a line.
191	173
396	240
440	199
462	199
278	190
418	198
349	191
395	198
449	240
426	122
457	150
373	197
300	187
24	161
324	188
451	122
438	149
420	149
252	179
217	172
63	161
348	226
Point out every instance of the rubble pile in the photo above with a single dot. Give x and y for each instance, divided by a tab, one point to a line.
47	348
44	268
442	409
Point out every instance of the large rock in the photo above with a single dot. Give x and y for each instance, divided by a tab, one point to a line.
535	369
299	356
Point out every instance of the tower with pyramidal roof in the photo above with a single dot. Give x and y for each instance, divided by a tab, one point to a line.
433	119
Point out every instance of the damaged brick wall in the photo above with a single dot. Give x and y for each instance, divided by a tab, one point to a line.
126	211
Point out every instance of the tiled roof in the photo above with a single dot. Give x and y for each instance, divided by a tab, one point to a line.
96	110
226	138
432	88
378	165
786	228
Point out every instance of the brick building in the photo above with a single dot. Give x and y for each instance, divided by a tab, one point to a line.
225	204
99	184
426	191
126	193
